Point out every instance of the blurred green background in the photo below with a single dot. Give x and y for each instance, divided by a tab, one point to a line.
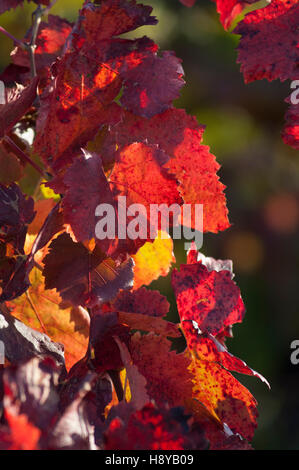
262	178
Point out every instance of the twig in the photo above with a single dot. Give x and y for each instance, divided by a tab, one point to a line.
31	46
19	153
48	8
10	36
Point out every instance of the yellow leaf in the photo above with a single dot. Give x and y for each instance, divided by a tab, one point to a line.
153	260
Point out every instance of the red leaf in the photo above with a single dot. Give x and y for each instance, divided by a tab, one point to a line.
142	309
159	365
29	389
207	348
70	115
114	17
104	327
179	136
202	383
140	175
91	74
16	107
151	87
144	301
14	279
11	167
269	45
87	187
139	396
229	10
208	297
16	213
21	435
290	132
156	429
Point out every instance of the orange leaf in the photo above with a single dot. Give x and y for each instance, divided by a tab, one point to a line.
224	396
43	310
42	208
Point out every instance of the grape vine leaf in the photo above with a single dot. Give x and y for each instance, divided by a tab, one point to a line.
30	390
190	162
208	297
153	260
74	427
201	383
268	47
206	347
104	328
142	309
143	301
19	100
90	75
139	174
44	311
50	42
80	200
8	4
159	365
16	213
11	167
154	428
228	10
22	342
290	132
225	396
85	277
137	383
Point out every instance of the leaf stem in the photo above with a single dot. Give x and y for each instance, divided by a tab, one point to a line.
22	155
38	266
115	377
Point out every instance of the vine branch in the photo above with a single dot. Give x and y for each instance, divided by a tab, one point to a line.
14	39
